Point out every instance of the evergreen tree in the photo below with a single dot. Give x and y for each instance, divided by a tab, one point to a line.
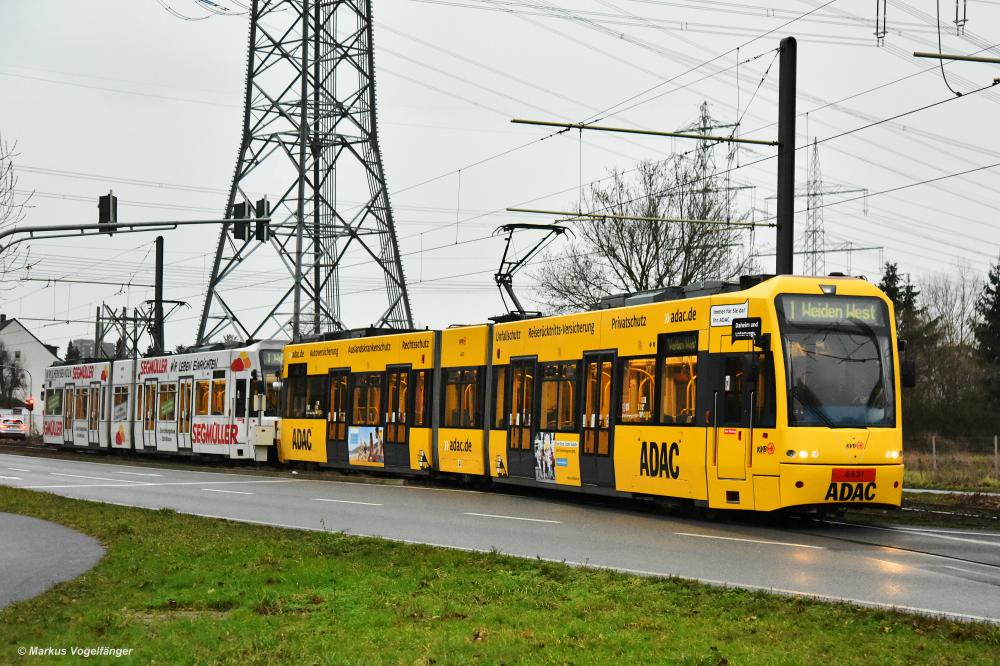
72	353
987	332
987	329
904	296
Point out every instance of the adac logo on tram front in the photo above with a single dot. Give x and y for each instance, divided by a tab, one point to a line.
851	484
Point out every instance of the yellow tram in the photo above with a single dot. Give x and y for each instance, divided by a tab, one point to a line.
778	392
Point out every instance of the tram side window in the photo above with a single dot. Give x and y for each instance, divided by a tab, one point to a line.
764	399
296	391
638	389
462	397
678	378
53	403
201	398
218	392
168	402
241	398
81	403
150	406
421	387
316	396
499	396
138	404
366	399
558	397
119	405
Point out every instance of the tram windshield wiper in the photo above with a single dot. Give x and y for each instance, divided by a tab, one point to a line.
807	399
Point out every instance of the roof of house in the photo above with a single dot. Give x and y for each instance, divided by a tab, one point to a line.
5	322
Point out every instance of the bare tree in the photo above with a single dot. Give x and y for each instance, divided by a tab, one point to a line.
13	207
612	255
11	377
951	299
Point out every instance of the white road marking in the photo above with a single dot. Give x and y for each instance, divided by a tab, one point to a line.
321	499
138	474
95	478
137	484
531	520
18	469
768	543
232	492
933	535
11	478
924	529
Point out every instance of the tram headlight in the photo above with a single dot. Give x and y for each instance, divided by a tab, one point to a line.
815	454
803	454
892	455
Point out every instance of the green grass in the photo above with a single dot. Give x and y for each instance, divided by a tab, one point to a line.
956	470
933	510
183	589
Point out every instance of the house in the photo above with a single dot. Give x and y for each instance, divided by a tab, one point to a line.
34	356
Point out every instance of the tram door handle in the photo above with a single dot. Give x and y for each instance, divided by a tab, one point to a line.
715	428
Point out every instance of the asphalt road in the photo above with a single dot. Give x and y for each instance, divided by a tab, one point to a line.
936	571
36	554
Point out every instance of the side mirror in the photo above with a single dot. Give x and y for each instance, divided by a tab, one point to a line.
907	366
763	341
908	371
276	386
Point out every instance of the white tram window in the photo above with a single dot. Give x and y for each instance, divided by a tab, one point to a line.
81	403
219	393
119	404
168	402
201	398
53	403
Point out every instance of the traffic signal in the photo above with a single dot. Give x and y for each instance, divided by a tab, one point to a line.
30	404
241	228
107	212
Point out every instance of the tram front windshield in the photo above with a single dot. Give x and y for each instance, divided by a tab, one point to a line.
838	359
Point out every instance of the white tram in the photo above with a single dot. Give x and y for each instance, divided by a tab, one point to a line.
219	402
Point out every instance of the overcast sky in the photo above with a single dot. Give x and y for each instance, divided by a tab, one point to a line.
123	94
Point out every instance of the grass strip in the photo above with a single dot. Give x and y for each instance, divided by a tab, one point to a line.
184	589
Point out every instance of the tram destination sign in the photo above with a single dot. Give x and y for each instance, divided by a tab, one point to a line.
746	328
809	309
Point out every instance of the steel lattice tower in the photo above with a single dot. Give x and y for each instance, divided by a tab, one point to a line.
815	236
309	129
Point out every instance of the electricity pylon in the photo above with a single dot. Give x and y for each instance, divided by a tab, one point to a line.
309	132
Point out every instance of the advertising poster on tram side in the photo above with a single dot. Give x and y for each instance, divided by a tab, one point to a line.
364	444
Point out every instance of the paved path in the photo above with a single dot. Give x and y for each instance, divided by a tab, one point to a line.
36	554
936	571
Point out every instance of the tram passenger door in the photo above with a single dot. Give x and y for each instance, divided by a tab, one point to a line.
731	415
596	459
69	412
336	426
397	452
185	393
149	415
94	413
520	453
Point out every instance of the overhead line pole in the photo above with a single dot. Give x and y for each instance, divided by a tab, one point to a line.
786	157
